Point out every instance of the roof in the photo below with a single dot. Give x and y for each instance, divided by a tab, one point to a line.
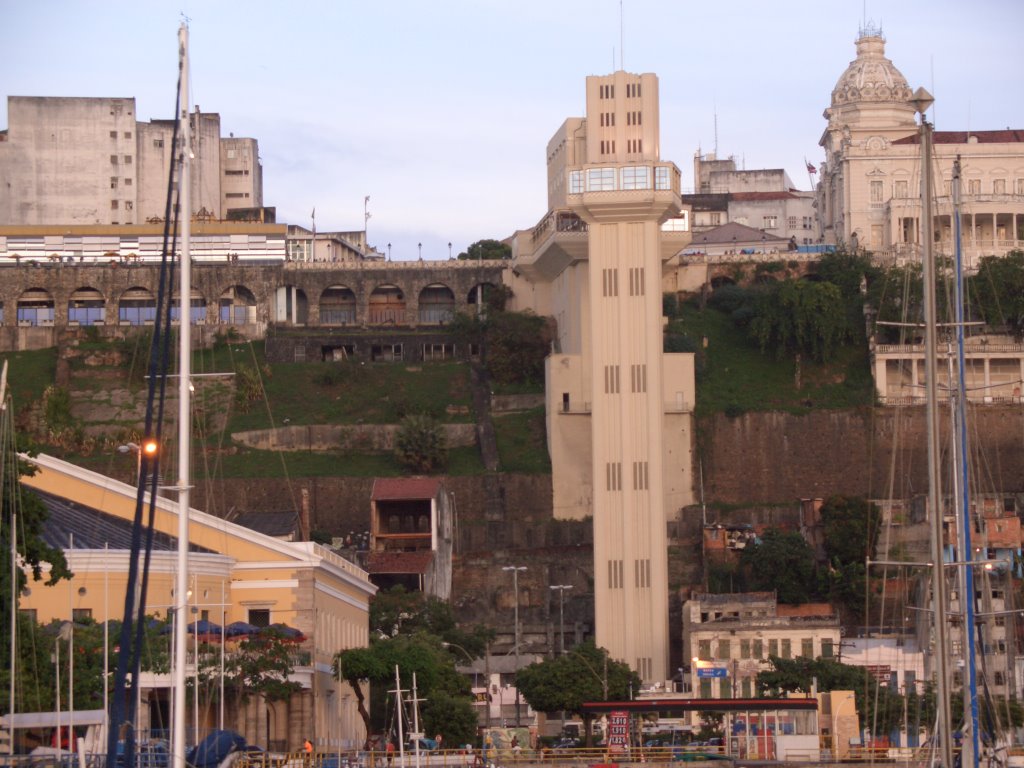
823	610
1008	136
405	488
399	562
734	233
268	523
94	529
782	195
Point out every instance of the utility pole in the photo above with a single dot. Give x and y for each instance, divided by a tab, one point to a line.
515	588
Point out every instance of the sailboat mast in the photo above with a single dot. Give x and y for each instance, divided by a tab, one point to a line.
971	746
178	723
922	101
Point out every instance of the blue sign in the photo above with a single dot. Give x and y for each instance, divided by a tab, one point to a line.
712	672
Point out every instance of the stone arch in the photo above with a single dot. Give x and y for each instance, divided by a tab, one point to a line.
480	293
35	307
337	305
197	307
87	306
387	305
290	305
436	304
137	306
236	306
719	280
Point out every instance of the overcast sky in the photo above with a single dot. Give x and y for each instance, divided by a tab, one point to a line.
440	111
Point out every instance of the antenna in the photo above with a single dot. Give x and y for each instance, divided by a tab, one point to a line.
716	130
622	43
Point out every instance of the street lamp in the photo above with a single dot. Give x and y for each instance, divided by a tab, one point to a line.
515	587
148	449
561	614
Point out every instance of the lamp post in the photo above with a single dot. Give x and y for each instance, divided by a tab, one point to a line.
561	614
515	632
148	449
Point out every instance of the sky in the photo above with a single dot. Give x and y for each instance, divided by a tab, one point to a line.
441	111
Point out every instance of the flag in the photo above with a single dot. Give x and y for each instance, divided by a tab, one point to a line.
811	168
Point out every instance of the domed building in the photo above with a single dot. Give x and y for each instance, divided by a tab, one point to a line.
869	191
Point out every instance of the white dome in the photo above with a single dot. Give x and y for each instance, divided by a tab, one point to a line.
871	76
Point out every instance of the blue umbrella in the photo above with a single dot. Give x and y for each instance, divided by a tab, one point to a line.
240	629
203	627
284	631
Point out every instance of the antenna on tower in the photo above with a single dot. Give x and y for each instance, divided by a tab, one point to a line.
622	40
716	129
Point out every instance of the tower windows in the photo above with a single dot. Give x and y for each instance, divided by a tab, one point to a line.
607	91
636	281
613	475
611	379
610	282
641	480
638	377
642	573
607	119
608	146
632	90
615	574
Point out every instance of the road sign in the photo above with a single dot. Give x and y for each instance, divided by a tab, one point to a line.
712	672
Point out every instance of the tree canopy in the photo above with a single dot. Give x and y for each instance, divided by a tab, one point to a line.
997	291
421	444
487	249
585	673
782	561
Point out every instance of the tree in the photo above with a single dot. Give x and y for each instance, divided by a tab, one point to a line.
514	343
998	291
799	317
782	561
261	666
421	444
449	709
880	707
851	527
398	611
487	249
585	673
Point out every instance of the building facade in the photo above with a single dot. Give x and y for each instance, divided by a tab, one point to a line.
91	161
870	190
236	575
619	409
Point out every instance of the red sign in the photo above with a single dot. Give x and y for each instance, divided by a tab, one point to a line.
618	731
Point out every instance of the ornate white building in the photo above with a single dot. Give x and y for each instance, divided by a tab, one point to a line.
869	193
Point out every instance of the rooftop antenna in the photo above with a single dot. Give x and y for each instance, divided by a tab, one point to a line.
622	40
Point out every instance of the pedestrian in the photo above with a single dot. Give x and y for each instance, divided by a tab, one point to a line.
390	751
307	749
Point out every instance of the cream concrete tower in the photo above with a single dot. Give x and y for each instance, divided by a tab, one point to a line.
620	447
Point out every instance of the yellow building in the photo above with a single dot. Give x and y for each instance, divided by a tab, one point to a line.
236	574
619	409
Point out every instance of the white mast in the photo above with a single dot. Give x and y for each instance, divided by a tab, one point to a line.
178	723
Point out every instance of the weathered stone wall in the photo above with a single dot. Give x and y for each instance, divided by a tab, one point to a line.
331	437
777	458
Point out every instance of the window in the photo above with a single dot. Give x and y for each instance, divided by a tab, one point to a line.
236	173
746	688
641	478
744	648
704	649
636	281
610	282
632	90
807	648
204	615
611	379
607	91
127	159
600	179
662	180
826	648
259	617
634	146
974	186
236	195
705	687
1000	621
127	134
787	649
876	191
81	614
1019	186
642	573
608	147
715	219
900	189
113	159
613	475
773	647
723	650
158	143
231	154
791	222
615	574
113	134
607	119
575	182
128	205
113	182
127	182
113	205
758	649
638	377
999	187
635	177
768	222
634	118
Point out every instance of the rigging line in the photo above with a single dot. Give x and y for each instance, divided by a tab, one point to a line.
273	426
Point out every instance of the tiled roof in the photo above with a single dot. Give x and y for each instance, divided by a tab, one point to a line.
405	488
805	610
93	529
269	523
741	196
733	233
1009	136
399	562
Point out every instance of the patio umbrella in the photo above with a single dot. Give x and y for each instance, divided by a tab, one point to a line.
241	629
284	631
203	627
